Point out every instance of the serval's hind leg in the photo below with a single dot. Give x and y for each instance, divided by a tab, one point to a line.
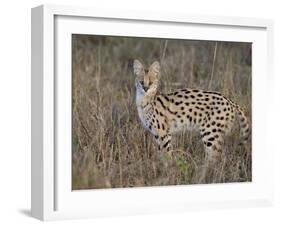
213	146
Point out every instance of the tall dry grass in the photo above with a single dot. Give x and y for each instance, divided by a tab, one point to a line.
111	149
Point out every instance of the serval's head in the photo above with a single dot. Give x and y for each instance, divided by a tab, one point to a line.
147	79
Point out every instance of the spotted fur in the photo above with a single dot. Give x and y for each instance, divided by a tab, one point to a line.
210	113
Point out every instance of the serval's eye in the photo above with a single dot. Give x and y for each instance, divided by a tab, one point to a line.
141	82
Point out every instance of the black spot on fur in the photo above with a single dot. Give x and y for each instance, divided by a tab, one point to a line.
161	102
178	102
166	98
206	134
166	144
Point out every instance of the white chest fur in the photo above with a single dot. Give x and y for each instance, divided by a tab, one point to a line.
139	97
141	114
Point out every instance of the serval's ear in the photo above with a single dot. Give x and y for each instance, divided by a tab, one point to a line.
138	69
154	71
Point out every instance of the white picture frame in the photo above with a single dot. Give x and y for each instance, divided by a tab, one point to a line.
52	197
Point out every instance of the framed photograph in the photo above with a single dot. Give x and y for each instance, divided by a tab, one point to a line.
138	112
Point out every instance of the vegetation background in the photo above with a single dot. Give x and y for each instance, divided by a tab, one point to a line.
110	147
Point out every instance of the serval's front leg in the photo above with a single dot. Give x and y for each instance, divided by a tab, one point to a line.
164	148
164	142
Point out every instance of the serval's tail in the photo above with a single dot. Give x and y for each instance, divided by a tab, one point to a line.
244	124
